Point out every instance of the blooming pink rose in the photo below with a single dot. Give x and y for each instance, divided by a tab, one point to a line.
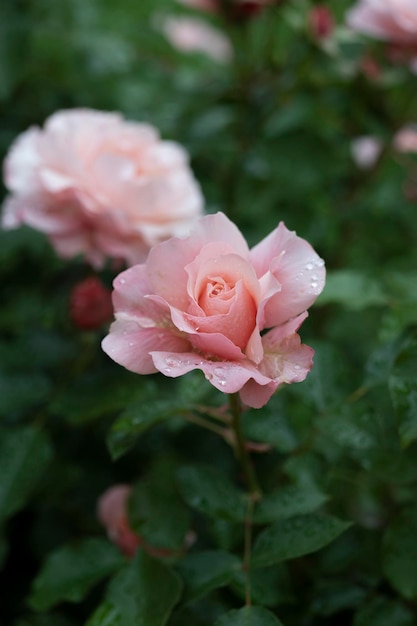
112	513
208	302
191	34
100	186
390	20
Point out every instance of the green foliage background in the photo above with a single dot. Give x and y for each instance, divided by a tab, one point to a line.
335	535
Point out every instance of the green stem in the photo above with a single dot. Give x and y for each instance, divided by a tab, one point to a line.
241	451
200	421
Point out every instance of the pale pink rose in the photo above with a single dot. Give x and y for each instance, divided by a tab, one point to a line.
208	302
365	151
100	186
190	34
405	139
389	20
112	514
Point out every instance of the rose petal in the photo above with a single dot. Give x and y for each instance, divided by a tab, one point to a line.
296	266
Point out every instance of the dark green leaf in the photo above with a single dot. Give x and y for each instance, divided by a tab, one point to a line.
19	392
71	571
270	586
138	418
403	388
142	594
270	426
205	571
380	611
157	512
287	502
295	537
400	553
210	491
249	616
24	455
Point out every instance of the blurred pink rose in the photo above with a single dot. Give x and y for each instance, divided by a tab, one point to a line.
405	139
112	514
365	151
100	186
191	34
390	20
208	302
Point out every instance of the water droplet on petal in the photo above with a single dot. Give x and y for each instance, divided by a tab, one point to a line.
173	362
309	266
167	370
297	367
314	284
131	344
122	281
319	263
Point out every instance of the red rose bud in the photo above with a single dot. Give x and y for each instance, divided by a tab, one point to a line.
90	304
321	22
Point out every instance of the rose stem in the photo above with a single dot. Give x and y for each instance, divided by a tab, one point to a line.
254	489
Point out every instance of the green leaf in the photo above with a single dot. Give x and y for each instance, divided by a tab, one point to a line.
400	553
211	492
156	511
403	388
382	611
137	419
71	571
270	586
24	455
249	616
295	537
287	502
269	426
19	392
353	290
142	594
203	572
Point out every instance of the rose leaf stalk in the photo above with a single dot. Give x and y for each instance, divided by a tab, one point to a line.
241	450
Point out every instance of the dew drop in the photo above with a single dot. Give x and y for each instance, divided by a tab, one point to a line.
297	367
309	266
319	263
122	281
314	284
131	344
167	370
172	362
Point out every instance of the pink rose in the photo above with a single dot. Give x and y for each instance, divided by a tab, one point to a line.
390	20
100	186
112	514
365	151
208	302
191	34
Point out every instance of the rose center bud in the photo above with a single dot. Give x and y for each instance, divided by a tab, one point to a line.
216	296
224	294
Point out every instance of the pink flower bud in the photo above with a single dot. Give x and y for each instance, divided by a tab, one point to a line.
112	513
321	22
90	304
